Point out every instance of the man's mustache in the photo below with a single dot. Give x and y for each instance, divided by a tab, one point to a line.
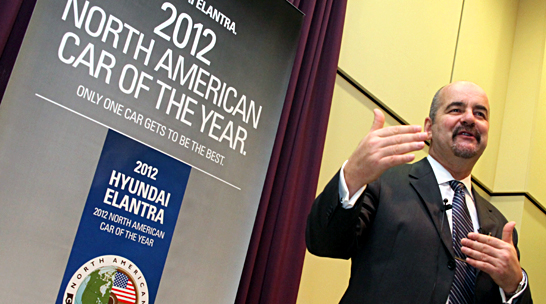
467	129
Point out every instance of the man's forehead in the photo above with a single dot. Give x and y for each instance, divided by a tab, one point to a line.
464	93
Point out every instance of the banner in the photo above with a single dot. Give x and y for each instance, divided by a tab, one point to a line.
127	225
135	138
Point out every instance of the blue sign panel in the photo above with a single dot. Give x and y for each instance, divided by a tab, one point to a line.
127	225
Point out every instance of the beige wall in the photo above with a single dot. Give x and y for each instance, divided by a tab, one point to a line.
402	52
522	99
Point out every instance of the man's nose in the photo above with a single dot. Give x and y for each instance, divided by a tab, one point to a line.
468	117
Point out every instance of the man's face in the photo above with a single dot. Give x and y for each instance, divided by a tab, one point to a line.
461	124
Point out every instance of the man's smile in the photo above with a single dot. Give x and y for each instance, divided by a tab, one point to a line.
467	132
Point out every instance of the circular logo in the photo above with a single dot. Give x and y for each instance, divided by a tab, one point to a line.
108	279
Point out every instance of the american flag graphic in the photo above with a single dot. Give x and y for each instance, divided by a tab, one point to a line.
123	289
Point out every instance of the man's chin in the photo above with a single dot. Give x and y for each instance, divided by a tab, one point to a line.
465	151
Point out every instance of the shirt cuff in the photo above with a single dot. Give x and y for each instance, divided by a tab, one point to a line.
346	201
517	294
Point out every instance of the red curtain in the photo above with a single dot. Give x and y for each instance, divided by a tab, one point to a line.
277	248
8	13
14	18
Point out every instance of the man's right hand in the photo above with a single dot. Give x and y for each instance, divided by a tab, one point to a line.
381	149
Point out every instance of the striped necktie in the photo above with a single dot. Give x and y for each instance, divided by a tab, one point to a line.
462	290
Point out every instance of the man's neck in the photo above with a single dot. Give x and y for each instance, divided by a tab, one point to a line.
458	167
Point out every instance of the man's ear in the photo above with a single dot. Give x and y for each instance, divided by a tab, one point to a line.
428	125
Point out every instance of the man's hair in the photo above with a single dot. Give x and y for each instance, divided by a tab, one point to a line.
435	105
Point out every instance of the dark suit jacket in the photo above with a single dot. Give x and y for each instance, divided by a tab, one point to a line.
398	239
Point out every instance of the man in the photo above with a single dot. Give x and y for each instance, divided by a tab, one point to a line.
395	220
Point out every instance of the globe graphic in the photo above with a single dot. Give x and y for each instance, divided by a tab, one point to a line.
106	285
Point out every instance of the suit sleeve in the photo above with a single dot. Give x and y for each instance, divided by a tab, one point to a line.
497	223
525	296
333	231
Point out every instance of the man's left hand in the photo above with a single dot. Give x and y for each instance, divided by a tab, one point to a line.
496	257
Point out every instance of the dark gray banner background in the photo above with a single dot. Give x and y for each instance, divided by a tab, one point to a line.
51	138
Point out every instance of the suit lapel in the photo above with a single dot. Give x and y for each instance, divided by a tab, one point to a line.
424	182
487	222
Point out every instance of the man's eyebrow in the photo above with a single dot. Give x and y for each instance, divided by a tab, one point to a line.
461	104
482	107
455	104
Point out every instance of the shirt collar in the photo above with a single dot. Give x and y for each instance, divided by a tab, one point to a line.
443	176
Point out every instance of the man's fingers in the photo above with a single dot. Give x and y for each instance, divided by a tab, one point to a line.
400	149
396	130
483	258
479	246
483	266
478	251
507	232
483	240
378	120
401	139
396	160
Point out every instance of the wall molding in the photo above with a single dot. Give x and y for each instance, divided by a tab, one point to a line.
402	121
